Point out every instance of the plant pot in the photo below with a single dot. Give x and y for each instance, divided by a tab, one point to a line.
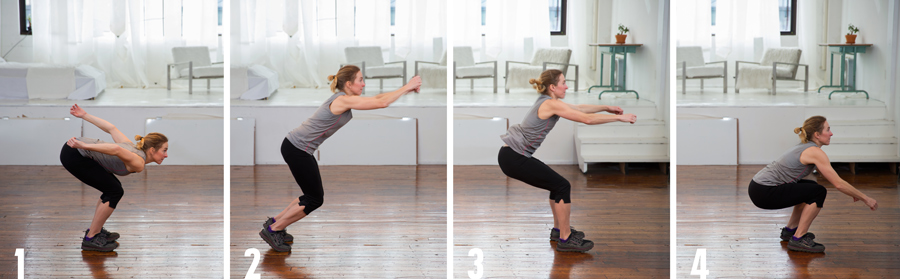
851	39
620	39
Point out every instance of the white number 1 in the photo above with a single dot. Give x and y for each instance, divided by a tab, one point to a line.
250	273
700	259
20	253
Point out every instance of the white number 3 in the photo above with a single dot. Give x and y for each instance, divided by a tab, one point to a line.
479	268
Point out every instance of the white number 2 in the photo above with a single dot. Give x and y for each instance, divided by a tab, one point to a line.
700	259
479	268
250	273
20	253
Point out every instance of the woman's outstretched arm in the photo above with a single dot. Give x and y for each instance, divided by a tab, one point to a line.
104	125
816	156
383	100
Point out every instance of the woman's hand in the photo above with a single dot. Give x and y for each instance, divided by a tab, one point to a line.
77	111
415	83
614	110
74	143
871	203
631	118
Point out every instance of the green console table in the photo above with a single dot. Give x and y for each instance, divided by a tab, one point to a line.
844	50
613	50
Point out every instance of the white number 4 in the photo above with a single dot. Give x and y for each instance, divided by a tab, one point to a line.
700	259
479	268
250	273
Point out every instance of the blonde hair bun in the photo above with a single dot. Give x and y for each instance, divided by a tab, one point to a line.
330	77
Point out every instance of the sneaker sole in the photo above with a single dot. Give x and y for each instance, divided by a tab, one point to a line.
575	249
804	249
99	249
271	242
556	238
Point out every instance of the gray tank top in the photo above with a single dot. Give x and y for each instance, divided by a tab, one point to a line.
320	126
111	163
525	138
787	169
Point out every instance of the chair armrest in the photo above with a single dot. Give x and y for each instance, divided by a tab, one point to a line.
717	62
426	62
487	62
795	64
748	62
217	63
179	63
517	62
396	62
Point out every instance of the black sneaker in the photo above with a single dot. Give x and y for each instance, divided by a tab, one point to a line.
786	235
574	244
274	239
110	236
98	243
806	244
554	234
288	238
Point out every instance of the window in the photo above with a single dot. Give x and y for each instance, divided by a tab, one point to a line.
25	17
557	17
394	11
787	14
220	13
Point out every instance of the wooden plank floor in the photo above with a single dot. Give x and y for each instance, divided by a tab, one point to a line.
742	241
170	220
627	217
376	222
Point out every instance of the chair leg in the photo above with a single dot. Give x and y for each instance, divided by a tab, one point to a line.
472	84
168	77
701	85
725	80
380	86
495	82
191	78
683	85
207	84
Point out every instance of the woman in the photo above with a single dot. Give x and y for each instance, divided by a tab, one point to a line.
780	184
523	139
298	147
96	163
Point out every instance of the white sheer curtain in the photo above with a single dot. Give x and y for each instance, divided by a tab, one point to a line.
580	31
509	23
84	32
304	41
467	29
692	23
416	24
739	22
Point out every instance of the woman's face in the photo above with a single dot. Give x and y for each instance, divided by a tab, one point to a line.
824	137
355	87
158	155
559	89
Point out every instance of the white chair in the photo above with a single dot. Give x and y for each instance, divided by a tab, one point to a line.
544	58
433	74
777	64
193	63
372	64
691	65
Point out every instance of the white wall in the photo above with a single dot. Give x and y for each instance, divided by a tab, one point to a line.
871	17
642	18
274	123
9	33
557	148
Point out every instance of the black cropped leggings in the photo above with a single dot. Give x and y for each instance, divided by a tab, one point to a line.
306	172
93	174
535	173
787	195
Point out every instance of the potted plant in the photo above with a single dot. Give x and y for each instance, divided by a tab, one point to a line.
620	38
851	37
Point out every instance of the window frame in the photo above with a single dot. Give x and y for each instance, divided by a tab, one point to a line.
562	19
793	29
23	30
